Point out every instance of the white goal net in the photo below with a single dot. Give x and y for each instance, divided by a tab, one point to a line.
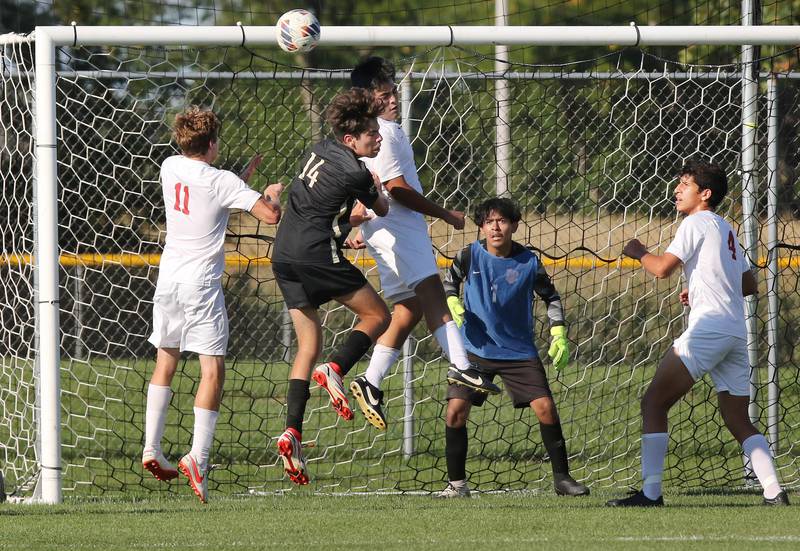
594	150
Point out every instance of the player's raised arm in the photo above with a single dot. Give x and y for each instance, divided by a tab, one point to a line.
660	266
251	167
410	198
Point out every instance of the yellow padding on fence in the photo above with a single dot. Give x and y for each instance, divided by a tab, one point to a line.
237	260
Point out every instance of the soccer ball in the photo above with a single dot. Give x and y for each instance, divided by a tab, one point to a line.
297	31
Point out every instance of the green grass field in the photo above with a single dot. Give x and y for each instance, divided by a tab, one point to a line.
506	521
599	407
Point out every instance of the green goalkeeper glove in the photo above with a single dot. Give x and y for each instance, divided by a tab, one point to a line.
456	310
559	347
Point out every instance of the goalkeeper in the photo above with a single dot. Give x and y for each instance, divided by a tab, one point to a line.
496	320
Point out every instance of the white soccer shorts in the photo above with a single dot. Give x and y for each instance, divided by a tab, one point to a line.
724	357
403	261
191	318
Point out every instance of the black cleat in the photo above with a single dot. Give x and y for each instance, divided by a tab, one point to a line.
370	400
473	379
565	485
636	499
779	500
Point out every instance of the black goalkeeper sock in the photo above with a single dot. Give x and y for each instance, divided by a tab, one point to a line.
456	452
352	350
553	440
296	399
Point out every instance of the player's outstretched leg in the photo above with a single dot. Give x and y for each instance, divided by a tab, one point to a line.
290	449
370	401
373	320
329	378
755	447
472	377
155	462
405	315
671	381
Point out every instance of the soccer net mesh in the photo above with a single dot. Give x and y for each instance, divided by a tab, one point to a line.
594	150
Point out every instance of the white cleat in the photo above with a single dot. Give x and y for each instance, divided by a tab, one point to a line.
198	480
327	378
452	491
155	462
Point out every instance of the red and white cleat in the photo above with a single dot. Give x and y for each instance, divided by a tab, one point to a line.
155	462
198	479
327	377
290	449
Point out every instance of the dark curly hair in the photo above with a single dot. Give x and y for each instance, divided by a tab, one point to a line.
707	175
505	207
372	73
351	112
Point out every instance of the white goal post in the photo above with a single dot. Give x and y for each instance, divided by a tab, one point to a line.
48	39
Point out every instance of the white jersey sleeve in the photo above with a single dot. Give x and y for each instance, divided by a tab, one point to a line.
688	239
233	193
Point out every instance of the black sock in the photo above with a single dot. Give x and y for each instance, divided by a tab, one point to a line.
553	440
296	399
351	351
456	452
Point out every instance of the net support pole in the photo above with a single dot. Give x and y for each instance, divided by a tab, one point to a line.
749	221
502	139
47	267
406	92
749	184
408	398
773	306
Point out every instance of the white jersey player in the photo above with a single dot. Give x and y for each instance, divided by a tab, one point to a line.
401	246
189	307
718	277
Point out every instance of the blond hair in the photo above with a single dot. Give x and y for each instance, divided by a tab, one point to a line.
195	129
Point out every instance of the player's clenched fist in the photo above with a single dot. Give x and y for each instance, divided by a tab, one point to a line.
635	249
456	219
273	193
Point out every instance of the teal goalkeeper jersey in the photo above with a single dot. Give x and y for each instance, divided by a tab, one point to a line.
498	299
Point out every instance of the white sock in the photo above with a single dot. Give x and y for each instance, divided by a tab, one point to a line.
457	484
452	344
654	449
380	363
205	421
756	449
155	418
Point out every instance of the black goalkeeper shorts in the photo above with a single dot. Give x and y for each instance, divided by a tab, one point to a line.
524	380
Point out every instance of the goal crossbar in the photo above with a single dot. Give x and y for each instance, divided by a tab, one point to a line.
442	35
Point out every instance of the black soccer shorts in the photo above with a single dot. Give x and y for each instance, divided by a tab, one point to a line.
304	285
